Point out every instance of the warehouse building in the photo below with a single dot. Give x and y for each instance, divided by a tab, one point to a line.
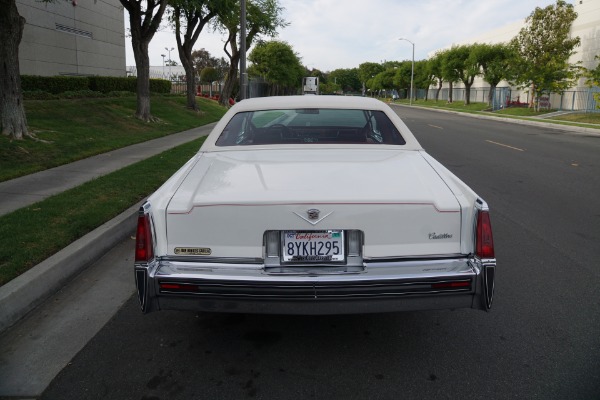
78	37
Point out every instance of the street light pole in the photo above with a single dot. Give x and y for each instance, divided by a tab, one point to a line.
243	75
170	62
412	70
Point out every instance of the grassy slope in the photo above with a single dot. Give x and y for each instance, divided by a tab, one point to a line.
77	129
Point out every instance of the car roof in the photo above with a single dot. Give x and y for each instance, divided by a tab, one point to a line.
308	101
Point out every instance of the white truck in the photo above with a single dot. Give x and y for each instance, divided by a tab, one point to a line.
310	85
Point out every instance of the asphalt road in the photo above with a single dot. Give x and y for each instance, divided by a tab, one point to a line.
540	341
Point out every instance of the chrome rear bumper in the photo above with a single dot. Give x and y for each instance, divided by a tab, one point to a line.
381	286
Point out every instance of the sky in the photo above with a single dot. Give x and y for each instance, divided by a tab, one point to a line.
332	34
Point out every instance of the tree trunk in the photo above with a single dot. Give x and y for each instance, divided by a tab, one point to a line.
193	25
142	62
13	122
142	32
450	92
190	80
467	95
439	88
468	82
232	76
491	94
532	98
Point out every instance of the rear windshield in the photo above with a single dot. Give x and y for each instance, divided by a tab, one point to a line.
312	125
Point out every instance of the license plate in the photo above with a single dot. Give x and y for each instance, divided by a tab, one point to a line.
313	246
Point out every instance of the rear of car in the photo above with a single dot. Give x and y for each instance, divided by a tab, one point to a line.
313	205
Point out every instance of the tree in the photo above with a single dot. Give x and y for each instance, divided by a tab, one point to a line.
593	79
189	18
13	122
263	17
423	77
544	47
278	64
347	79
383	80
402	76
495	60
435	66
144	22
366	73
461	64
202	60
451	64
209	75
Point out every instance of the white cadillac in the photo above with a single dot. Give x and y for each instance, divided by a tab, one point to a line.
313	205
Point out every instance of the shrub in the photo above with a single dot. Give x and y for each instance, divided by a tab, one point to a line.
76	85
106	84
54	84
160	86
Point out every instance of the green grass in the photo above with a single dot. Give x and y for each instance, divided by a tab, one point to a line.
456	105
521	112
77	129
584	118
32	234
579	119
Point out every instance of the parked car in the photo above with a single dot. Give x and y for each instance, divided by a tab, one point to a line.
313	205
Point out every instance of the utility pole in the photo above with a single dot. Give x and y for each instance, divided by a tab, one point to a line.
170	62
243	74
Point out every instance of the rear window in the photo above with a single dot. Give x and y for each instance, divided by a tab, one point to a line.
311	125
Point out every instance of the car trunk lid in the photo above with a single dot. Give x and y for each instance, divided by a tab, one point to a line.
229	199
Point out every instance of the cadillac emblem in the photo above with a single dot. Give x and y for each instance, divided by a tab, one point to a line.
313	214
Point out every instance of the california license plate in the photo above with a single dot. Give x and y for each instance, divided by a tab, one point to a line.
313	246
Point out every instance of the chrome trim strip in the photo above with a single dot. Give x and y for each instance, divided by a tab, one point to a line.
212	260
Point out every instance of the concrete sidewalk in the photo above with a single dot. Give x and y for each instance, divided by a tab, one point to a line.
29	189
26	292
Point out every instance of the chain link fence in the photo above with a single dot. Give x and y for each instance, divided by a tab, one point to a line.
582	100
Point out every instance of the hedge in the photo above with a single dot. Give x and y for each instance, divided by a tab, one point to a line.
103	84
54	84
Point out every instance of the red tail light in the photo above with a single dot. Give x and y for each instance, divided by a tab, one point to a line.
485	241
143	239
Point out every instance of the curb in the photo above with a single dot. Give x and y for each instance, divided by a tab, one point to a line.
24	293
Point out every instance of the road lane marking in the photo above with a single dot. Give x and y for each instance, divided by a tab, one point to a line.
505	145
435	126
